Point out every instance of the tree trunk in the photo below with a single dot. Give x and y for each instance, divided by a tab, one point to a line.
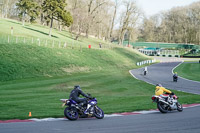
6	15
60	27
23	20
2	11
87	31
50	30
42	18
79	32
113	20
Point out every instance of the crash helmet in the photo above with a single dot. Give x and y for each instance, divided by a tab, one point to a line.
77	87
159	85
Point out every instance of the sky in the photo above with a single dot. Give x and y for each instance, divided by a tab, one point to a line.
152	7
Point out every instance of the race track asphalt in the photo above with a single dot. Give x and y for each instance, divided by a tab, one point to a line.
187	121
162	73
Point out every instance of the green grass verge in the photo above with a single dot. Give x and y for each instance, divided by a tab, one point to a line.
189	71
115	90
197	54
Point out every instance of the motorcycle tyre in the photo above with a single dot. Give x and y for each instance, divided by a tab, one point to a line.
145	73
68	116
160	108
180	109
96	115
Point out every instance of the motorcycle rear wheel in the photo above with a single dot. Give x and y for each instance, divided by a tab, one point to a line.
71	113
179	107
162	107
98	112
145	73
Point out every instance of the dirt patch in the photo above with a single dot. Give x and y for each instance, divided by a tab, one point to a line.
75	69
62	87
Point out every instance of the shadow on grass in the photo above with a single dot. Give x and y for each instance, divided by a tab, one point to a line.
40	32
20	23
65	35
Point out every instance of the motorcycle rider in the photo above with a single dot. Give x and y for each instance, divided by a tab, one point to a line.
145	70
74	95
160	91
175	75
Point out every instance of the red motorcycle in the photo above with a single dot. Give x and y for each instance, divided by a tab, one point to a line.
167	103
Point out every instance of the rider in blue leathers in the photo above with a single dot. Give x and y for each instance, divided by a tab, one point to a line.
75	93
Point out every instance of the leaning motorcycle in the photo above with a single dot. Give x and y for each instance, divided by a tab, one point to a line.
167	103
74	110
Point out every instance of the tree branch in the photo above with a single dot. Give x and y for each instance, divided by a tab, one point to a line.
97	7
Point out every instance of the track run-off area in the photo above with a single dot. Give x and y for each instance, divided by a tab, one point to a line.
174	122
141	121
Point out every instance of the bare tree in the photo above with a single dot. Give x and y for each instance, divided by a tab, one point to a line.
93	6
7	8
116	5
129	17
179	25
90	16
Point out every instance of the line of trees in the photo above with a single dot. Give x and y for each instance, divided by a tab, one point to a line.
111	20
32	10
105	19
179	25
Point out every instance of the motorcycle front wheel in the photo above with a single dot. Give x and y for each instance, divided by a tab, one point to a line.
71	113
98	112
162	107
179	107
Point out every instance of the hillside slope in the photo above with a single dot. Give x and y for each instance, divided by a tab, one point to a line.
28	61
21	59
33	33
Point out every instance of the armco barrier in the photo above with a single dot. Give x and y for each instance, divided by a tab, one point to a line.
145	62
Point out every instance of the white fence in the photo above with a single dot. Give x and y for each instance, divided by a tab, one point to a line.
51	43
145	62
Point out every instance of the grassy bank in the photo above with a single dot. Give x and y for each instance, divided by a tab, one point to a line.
34	80
34	33
115	90
189	71
26	61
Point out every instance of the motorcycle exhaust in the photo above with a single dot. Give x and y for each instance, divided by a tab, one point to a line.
164	102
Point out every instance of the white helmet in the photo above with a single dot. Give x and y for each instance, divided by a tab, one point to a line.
159	85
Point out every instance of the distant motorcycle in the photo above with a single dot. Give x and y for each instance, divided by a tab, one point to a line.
74	110
175	78
167	103
145	72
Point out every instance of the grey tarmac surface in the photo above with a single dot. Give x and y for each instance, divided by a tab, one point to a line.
162	73
187	121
